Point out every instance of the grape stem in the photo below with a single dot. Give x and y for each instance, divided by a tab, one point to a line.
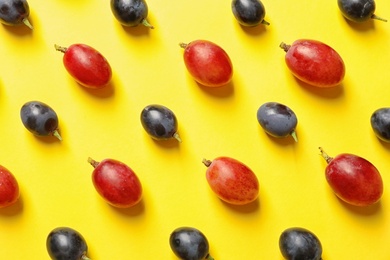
84	257
265	22
325	155
57	134
378	18
183	45
206	162
177	137
284	46
93	162
294	135
147	24
60	48
27	23
209	257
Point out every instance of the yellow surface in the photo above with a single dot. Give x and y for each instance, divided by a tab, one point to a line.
55	178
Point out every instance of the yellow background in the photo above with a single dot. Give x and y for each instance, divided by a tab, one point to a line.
55	178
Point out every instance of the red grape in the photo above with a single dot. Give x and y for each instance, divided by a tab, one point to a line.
314	63
86	65
208	63
116	183
9	188
232	181
353	179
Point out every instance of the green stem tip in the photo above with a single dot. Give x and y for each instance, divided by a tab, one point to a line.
265	22
27	23
57	134
177	137
93	162
378	18
294	135
144	22
209	257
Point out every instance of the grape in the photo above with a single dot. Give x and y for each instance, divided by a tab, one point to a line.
40	119
189	243
353	179
116	183
300	244
159	122
380	123
130	12
277	119
358	10
86	65
64	243
15	12
207	63
314	63
231	180
9	188
249	12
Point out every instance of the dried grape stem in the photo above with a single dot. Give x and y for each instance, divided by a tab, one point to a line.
265	22
325	155
60	48
206	162
93	162
284	46
183	45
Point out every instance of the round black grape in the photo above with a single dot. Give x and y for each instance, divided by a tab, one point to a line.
277	119
14	12
189	244
40	119
64	243
380	123
249	12
159	122
300	244
358	10
130	12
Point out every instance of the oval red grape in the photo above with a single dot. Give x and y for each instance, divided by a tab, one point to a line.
116	183
353	179
86	65
232	181
9	188
314	63
207	63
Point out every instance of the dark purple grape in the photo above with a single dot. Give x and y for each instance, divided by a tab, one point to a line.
277	119
300	244
64	243
130	12
14	12
358	10
380	123
40	119
249	12
159	122
189	244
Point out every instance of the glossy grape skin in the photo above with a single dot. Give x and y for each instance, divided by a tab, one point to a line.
116	183
14	12
207	63
231	180
40	119
353	179
159	122
189	243
277	119
380	123
64	243
300	244
249	12
314	63
86	65
9	188
358	10
130	12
